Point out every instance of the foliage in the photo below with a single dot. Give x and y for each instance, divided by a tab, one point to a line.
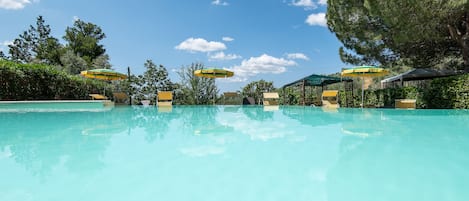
83	39
196	90
82	52
154	79
422	34
441	93
36	45
42	82
256	88
102	61
72	63
292	96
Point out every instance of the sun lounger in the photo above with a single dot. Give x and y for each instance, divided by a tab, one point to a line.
330	98
165	98
405	103
231	98
120	97
270	98
98	97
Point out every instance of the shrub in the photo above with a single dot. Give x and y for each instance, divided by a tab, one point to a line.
42	82
441	93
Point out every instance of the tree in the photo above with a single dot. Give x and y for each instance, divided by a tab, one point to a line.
102	61
49	52
72	63
256	88
418	33
154	79
83	39
21	49
3	56
36	44
197	90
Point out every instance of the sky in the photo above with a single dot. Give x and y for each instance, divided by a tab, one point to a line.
275	40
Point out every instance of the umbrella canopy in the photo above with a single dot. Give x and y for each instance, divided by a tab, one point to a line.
364	71
213	73
103	74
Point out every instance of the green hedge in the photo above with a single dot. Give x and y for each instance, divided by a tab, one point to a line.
42	82
441	93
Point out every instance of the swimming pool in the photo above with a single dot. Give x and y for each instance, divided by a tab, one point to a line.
235	153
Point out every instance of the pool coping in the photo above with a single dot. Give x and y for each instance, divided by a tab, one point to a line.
56	101
106	105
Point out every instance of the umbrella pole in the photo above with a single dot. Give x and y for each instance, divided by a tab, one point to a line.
363	91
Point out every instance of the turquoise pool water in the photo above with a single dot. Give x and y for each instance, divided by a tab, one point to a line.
235	153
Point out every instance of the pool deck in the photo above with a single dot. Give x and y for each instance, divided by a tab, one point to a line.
55	105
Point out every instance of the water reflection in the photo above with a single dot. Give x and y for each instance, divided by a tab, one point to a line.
394	154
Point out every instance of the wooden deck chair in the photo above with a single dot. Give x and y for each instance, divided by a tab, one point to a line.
270	98
98	97
165	98
230	98
405	103
330	98
120	97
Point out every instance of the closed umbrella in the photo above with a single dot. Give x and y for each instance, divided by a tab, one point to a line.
364	71
213	73
103	74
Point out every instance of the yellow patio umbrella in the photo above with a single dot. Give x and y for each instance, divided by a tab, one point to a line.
213	73
103	74
364	71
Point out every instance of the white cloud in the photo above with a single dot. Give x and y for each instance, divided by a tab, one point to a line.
6	43
223	56
322	2
14	4
75	18
227	39
200	45
257	130
219	3
263	64
307	4
317	19
297	56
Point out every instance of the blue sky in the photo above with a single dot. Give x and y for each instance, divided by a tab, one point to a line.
274	40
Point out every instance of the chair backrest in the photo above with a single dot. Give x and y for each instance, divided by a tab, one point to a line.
271	95
231	98
330	93
270	98
230	94
405	103
98	97
120	96
165	96
330	98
